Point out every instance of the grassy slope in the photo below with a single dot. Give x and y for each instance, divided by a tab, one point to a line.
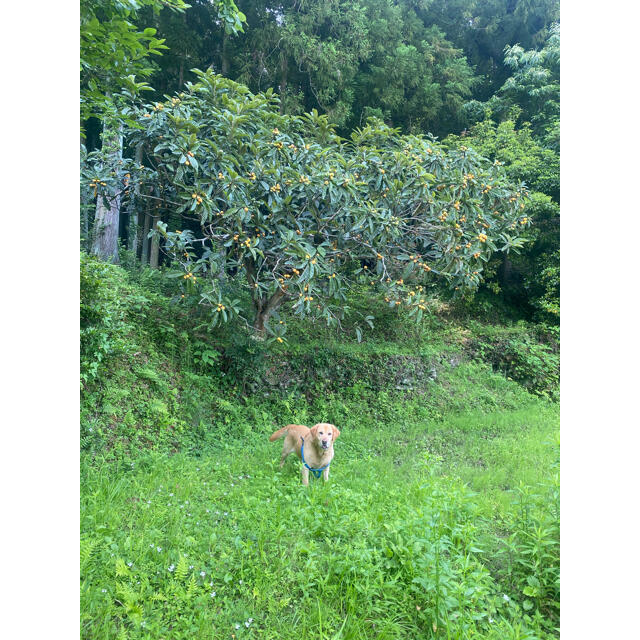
402	543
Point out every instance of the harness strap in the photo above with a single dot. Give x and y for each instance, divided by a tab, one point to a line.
316	472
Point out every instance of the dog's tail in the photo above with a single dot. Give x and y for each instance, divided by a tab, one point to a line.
279	434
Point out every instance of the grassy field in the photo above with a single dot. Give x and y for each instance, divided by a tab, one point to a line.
403	542
440	520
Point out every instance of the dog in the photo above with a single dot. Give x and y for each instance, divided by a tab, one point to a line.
318	446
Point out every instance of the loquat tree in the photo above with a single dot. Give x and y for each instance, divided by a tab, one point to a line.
297	215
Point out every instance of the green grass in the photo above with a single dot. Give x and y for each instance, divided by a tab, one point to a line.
443	494
393	530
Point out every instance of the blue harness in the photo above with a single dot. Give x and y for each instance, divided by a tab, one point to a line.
316	472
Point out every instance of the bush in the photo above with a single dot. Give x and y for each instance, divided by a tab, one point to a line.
101	314
517	354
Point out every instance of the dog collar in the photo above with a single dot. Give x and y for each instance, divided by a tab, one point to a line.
316	472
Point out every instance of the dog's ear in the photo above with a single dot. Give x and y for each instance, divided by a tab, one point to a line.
336	432
314	431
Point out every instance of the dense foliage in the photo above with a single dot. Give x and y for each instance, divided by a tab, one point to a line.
302	214
351	61
412	63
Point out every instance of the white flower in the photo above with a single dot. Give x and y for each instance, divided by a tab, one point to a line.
190	566
213	594
237	627
491	620
171	495
104	591
240	582
172	567
203	573
159	549
246	624
129	564
505	597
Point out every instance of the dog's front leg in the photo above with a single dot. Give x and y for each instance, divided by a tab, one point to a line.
305	476
325	474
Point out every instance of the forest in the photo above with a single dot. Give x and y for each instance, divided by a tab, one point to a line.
310	212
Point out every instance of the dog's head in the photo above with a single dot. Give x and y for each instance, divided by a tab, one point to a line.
324	434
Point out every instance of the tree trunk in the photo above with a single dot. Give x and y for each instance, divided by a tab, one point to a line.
155	245
107	218
283	79
264	309
225	55
144	252
134	203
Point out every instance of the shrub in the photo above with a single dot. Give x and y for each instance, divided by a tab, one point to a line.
101	314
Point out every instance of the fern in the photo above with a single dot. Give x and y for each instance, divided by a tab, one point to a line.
122	634
87	547
182	568
121	568
128	595
192	588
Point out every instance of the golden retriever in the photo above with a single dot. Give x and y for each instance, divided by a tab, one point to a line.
318	446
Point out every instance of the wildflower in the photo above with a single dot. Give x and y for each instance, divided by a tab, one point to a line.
159	549
129	564
213	594
237	627
172	567
104	591
505	597
203	573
